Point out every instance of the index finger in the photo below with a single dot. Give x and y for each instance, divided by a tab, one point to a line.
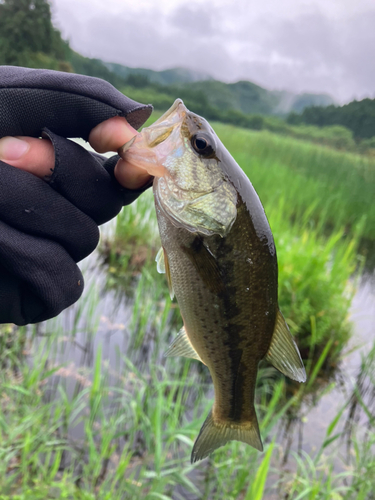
111	134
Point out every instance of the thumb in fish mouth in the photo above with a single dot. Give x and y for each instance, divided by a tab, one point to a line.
110	135
130	176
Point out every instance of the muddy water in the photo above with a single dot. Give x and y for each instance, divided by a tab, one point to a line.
109	325
309	433
105	321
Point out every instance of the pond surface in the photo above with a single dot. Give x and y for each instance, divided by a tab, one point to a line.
105	320
311	433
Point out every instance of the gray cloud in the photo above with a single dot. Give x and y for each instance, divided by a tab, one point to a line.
313	53
196	20
309	51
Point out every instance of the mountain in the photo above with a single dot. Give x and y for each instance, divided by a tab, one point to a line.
289	102
165	77
248	97
243	96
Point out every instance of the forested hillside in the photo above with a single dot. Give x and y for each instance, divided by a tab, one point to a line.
243	96
358	116
28	38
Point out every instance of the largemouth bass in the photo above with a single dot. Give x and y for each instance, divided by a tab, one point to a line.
220	260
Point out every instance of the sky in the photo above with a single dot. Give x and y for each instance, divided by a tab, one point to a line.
318	46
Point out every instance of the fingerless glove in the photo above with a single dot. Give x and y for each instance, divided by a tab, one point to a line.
47	226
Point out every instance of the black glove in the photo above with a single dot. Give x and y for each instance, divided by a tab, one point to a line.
46	226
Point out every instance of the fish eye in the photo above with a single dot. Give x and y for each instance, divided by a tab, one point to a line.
202	145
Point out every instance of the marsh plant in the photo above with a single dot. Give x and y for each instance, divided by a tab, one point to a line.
90	408
112	428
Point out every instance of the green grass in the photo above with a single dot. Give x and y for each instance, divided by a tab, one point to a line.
138	424
315	286
336	187
137	413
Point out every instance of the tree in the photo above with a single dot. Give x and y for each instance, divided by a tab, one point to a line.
27	33
357	116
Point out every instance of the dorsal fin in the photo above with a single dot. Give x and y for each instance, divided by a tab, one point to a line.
162	266
181	346
283	353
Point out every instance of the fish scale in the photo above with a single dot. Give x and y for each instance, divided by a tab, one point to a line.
222	318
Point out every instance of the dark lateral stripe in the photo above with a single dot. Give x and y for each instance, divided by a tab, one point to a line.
237	393
242	395
206	265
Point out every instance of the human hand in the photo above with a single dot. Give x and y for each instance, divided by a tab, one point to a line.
38	157
52	204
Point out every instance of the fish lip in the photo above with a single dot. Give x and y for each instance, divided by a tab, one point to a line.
178	102
168	122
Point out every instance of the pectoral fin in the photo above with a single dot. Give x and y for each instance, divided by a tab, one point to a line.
159	259
283	353
162	266
181	346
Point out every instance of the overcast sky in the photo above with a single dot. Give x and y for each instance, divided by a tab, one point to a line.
298	45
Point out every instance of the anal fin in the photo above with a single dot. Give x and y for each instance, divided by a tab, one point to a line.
283	353
181	346
214	435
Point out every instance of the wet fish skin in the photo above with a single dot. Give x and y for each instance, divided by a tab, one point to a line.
221	264
226	288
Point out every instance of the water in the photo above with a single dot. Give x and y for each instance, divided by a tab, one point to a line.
104	318
311	429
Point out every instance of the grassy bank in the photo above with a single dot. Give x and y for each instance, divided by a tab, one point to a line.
335	188
90	408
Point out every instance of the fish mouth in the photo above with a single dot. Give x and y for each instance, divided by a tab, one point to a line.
166	125
178	108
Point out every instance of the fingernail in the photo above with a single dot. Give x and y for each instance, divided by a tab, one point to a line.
12	148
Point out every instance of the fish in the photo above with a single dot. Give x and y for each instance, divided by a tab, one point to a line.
219	257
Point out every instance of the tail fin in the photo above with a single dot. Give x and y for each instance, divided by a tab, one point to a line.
213	435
